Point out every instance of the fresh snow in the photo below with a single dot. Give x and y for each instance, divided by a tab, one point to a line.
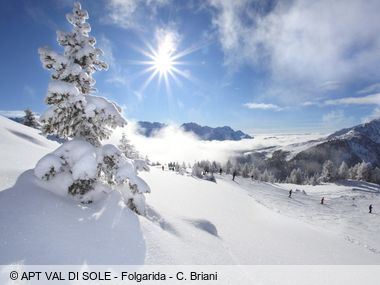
219	223
189	220
20	147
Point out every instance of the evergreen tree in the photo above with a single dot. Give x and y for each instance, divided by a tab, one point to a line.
87	167
353	171
364	171
328	171
375	175
214	167
197	170
296	176
127	148
255	173
245	172
29	119
74	112
343	171
228	167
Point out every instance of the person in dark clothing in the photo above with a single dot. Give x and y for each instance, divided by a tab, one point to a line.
220	171
370	209
163	167
322	200
233	176
290	193
252	177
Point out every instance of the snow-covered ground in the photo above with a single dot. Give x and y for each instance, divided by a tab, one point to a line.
20	148
221	223
345	208
189	221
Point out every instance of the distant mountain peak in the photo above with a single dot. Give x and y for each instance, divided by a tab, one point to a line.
203	132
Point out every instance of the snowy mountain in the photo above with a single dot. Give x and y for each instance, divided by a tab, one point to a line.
203	132
149	129
189	220
370	129
218	133
359	143
352	145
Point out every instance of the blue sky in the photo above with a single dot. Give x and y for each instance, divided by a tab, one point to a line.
260	66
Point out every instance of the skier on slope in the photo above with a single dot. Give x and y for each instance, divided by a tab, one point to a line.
233	175
290	193
370	208
322	200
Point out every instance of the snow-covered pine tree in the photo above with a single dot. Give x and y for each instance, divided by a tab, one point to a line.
127	148
364	171
197	170
328	171
375	175
296	176
29	119
83	167
228	167
245	171
343	171
73	111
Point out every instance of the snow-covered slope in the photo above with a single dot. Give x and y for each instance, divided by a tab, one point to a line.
345	208
20	148
189	221
221	223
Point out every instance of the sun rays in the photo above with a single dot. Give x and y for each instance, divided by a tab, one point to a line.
164	62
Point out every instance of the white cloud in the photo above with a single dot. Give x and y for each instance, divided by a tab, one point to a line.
330	85
116	74
303	42
167	40
374	115
370	89
337	119
262	106
121	12
173	144
310	103
12	114
373	99
133	14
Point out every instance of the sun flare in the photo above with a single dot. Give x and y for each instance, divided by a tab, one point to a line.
163	63
164	60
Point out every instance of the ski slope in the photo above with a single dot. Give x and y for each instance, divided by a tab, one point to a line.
345	208
189	221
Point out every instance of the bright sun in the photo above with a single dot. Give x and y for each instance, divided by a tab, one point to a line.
163	61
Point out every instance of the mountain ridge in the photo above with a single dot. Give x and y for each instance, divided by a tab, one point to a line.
149	129
352	145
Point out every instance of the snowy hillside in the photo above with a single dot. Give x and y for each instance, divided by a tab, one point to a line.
21	147
189	221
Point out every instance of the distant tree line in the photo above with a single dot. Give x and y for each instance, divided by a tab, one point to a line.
278	169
